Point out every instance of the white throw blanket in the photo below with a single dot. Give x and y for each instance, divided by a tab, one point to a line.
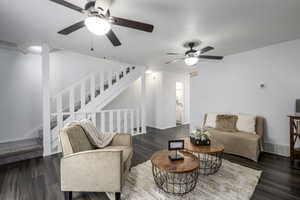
98	139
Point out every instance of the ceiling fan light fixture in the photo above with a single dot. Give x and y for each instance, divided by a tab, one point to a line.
190	61
37	49
97	25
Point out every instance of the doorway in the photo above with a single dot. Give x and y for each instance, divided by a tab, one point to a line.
179	103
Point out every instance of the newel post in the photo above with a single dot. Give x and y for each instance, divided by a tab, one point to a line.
143	104
46	99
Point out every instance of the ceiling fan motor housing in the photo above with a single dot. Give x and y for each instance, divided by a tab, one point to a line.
192	53
102	6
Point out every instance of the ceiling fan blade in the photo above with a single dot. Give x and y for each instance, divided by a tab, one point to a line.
132	24
89	5
174	54
69	5
175	60
206	49
72	28
113	38
211	57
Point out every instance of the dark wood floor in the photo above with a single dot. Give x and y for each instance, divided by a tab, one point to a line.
38	179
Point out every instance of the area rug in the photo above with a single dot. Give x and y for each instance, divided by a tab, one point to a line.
231	182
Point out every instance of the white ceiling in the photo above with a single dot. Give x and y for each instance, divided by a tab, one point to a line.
231	26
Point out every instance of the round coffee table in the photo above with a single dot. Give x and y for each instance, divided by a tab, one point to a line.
210	156
175	177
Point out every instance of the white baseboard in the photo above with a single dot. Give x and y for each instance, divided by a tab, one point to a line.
186	123
163	127
31	134
278	149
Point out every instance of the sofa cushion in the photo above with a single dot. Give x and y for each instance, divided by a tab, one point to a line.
210	120
226	123
239	143
78	139
246	123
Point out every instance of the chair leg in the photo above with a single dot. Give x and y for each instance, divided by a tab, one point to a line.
118	196
68	195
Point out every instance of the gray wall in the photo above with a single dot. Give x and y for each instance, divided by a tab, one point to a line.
20	102
21	88
233	86
129	98
67	68
160	98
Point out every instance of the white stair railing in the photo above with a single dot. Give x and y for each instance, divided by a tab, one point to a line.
107	121
82	93
87	97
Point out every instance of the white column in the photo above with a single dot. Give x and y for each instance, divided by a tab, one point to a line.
46	99
143	103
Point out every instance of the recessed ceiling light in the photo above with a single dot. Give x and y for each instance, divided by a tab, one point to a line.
35	49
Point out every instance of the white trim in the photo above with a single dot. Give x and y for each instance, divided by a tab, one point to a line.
31	134
101	100
278	149
162	127
46	99
143	103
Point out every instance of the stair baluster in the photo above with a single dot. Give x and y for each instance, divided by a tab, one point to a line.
93	89
119	121
125	112
132	121
82	95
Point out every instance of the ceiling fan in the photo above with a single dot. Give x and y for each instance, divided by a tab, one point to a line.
99	21
192	56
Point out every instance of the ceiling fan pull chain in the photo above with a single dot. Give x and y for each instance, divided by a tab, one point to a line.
92	43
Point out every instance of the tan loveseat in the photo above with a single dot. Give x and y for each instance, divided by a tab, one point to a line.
244	144
87	169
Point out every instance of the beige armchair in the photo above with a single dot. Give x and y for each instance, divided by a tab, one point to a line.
87	169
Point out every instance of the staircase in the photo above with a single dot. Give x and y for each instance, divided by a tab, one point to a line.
86	99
